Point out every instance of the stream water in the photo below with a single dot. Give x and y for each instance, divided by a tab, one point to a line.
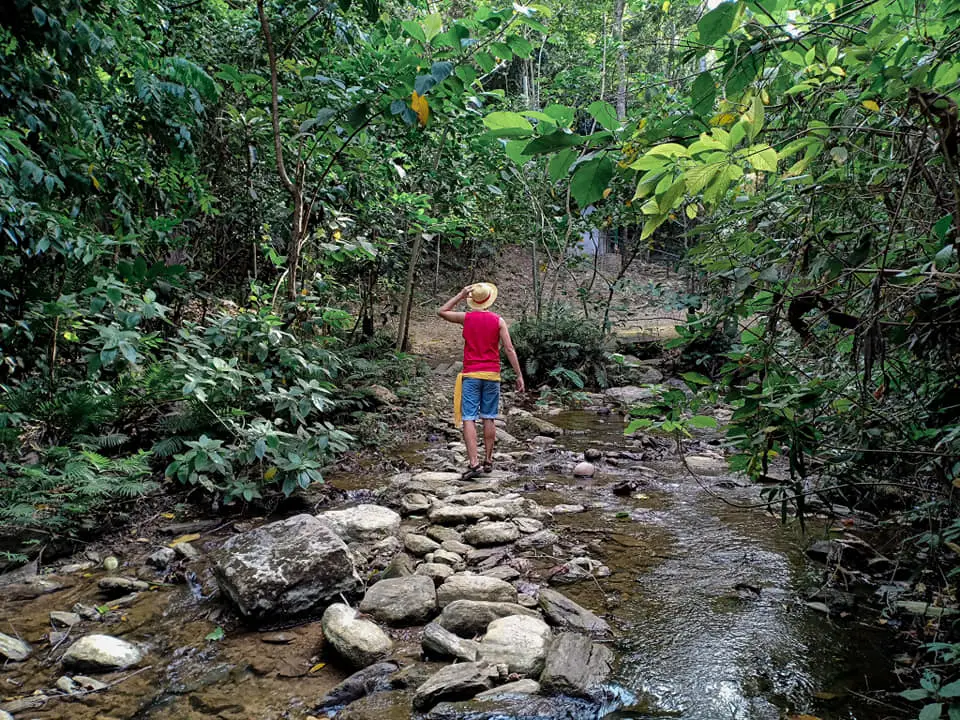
706	600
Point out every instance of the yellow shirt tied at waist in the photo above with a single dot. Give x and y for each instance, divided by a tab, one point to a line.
458	391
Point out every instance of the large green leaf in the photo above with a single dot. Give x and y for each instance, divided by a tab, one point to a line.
762	157
515	151
590	180
561	113
414	30
507	124
718	22
703	93
559	164
604	114
554	141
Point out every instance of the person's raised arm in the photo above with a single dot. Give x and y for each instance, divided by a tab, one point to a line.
446	310
511	354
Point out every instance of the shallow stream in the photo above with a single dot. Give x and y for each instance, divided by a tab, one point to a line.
706	599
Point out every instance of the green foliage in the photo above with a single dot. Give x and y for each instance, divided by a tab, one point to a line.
560	348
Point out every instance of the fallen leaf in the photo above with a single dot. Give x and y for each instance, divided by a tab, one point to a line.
185	539
316	668
168	516
871	105
802	717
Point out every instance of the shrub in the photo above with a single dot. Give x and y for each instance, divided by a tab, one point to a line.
559	347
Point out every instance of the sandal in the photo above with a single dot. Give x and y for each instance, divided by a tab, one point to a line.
472	472
487	467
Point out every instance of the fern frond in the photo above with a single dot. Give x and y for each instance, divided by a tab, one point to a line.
190	74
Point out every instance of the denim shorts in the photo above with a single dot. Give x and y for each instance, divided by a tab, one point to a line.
480	399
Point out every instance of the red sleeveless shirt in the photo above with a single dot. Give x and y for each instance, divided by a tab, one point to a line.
481	342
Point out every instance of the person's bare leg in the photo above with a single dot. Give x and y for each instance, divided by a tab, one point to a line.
470	440
489	438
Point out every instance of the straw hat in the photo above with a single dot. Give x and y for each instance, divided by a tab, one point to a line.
482	295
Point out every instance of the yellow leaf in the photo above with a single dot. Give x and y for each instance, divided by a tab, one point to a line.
606	193
316	668
270	474
871	105
953	546
724	119
666	6
419	105
185	539
168	516
691	211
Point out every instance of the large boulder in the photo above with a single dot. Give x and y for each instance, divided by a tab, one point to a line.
13	649
475	587
628	395
577	666
285	569
401	601
495	705
443	643
363	523
468	618
101	653
564	612
517	641
359	641
491	533
455	682
536	426
361	683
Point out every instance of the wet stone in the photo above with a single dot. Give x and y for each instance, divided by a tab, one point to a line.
518	687
567	509
455	546
518	641
187	551
486	556
469	618
438	572
67	686
584	469
401	601
419	544
415	503
442	534
162	558
363	682
360	642
64	619
14	649
440	642
491	533
89	683
475	587
528	525
564	612
119	585
541	539
577	666
455	682
400	565
504	572
449	558
102	653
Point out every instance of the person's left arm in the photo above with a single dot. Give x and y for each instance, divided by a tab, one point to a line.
446	310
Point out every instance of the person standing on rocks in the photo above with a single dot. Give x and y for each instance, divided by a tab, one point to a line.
477	392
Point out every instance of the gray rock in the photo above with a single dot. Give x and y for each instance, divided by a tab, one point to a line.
102	653
441	642
567	509
527	525
187	551
538	426
360	642
475	587
401	601
471	498
415	503
577	666
31	702
67	686
162	558
543	440
628	395
119	585
400	565
592	454
87	612
461	514
363	523
89	683
64	619
504	572
420	544
382	395
285	569
542	539
358	685
469	618
13	649
449	558
706	465
584	469
442	534
380	706
515	706
518	641
515	505
518	687
437	572
455	682
491	533
505	438
564	612
455	546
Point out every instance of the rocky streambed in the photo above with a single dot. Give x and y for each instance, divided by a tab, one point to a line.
631	590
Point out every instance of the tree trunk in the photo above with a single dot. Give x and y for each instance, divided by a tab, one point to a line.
618	8
404	328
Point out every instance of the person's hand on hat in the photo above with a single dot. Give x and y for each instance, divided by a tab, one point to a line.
465	293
